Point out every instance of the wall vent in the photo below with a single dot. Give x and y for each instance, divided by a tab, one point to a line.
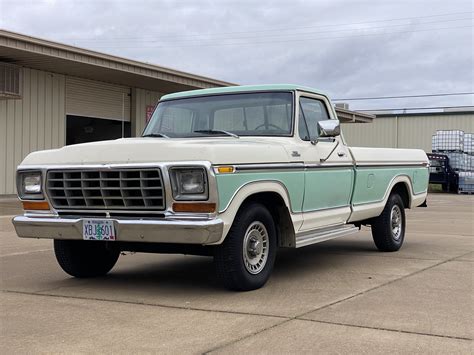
342	105
10	81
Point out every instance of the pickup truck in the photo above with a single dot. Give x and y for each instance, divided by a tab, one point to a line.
234	173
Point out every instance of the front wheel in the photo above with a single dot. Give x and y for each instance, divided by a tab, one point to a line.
82	258
388	229
245	260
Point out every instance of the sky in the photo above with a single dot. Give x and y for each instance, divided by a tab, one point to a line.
349	49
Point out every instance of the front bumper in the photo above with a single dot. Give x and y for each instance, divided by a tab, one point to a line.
127	230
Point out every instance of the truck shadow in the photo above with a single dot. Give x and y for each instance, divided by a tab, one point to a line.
187	273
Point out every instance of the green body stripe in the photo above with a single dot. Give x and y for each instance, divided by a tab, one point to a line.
371	183
317	189
293	181
327	188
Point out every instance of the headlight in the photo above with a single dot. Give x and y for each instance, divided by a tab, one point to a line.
29	185
189	183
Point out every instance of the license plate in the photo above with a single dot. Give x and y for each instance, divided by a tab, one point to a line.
98	229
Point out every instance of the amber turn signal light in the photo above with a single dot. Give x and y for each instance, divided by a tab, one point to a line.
35	205
194	207
225	169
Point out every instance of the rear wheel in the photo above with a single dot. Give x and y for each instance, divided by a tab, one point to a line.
245	260
388	229
80	258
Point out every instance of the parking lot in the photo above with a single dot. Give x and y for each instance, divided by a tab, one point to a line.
339	296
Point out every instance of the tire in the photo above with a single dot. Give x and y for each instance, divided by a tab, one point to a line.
81	258
245	260
388	229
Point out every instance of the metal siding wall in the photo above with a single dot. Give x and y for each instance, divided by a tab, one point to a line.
379	133
97	99
143	98
3	146
416	131
32	123
412	131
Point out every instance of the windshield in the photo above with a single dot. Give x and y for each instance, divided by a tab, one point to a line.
254	114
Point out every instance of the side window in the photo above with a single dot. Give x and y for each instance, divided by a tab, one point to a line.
311	111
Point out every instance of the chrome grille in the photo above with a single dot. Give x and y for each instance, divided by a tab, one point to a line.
132	189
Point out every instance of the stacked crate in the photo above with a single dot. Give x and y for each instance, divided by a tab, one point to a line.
466	182
459	147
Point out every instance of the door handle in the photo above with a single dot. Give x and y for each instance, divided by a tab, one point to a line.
341	154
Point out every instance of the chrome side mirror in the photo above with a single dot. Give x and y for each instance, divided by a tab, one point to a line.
329	128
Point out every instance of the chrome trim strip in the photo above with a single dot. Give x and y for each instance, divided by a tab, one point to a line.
395	164
271	166
328	166
301	166
286	166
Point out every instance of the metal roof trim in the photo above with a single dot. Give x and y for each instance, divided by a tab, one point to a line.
36	44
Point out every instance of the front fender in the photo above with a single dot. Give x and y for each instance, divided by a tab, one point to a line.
227	213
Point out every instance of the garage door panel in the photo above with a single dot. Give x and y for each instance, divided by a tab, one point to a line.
97	99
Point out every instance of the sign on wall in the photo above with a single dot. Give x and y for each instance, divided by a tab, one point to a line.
149	112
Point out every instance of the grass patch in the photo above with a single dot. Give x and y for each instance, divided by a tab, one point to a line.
435	188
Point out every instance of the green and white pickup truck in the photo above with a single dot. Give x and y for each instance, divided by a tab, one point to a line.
234	173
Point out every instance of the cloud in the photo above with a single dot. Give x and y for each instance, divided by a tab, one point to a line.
346	48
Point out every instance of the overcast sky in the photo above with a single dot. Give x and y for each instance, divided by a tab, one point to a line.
348	49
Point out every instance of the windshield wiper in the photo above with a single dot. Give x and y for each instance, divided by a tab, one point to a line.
216	131
160	135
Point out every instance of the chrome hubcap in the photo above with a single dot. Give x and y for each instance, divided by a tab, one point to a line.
396	222
255	247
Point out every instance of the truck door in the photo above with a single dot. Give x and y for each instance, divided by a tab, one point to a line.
329	171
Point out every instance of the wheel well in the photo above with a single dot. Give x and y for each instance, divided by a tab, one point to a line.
280	213
401	189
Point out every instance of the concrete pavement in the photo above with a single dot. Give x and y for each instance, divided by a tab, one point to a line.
334	297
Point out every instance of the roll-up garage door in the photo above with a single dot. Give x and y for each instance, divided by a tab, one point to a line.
97	99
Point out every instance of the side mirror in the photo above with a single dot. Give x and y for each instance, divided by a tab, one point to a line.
329	128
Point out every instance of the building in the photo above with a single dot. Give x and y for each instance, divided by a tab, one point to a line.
407	130
53	94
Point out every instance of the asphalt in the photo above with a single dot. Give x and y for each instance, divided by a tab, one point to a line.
341	296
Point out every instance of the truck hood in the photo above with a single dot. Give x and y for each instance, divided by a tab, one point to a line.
217	150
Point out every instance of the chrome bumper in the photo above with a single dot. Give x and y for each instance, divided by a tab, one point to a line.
149	231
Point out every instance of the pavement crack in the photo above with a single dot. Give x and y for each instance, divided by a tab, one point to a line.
36	293
380	286
386	329
222	346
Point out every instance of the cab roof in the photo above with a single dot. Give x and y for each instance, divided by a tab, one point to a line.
243	88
